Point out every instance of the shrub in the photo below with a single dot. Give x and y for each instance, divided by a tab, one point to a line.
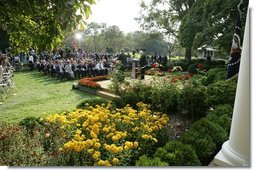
192	69
221	92
178	154
163	96
19	148
225	109
183	64
221	115
211	74
206	127
91	102
146	161
221	75
30	123
201	143
191	100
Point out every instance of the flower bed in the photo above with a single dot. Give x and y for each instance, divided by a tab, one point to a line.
104	137
90	82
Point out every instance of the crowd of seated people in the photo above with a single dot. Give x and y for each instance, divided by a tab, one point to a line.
69	69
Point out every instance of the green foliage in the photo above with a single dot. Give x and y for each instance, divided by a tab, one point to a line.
221	92
222	75
118	77
163	96
211	75
206	137
206	127
19	148
192	69
201	143
91	102
146	161
177	154
41	23
222	115
30	123
191	100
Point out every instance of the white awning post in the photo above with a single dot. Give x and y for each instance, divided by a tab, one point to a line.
236	151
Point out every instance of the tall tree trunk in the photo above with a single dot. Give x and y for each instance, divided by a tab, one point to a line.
188	53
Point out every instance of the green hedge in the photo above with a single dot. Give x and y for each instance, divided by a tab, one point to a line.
178	154
146	161
192	99
221	92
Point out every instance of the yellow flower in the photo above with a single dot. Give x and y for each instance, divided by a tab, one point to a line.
60	149
92	134
90	151
126	147
89	143
155	140
114	149
95	129
107	147
85	124
114	138
145	136
115	160
135	144
78	131
105	129
96	154
97	145
128	144
120	149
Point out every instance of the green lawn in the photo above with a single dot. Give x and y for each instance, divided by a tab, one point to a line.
37	93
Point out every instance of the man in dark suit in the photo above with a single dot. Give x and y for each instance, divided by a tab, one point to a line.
123	58
142	63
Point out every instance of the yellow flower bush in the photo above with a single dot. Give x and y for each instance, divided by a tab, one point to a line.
108	137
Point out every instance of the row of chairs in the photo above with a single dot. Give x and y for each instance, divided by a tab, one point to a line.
7	85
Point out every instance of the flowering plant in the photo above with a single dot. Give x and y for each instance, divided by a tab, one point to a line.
90	82
105	138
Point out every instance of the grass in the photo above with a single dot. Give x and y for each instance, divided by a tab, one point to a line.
37	93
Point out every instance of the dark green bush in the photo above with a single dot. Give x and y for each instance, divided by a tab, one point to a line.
19	148
211	75
192	100
183	64
225	109
192	69
221	92
221	75
221	115
206	127
29	123
163	97
130	98
91	102
177	154
146	161
223	120
203	145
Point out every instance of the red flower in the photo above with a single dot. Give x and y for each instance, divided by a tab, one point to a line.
200	66
169	70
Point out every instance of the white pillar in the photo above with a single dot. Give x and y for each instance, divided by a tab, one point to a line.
236	151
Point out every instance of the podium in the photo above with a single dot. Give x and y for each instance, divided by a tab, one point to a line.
136	70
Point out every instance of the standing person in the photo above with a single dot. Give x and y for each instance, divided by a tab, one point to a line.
31	62
142	63
123	58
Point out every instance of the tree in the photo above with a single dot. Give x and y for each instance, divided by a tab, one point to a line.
41	23
165	15
114	37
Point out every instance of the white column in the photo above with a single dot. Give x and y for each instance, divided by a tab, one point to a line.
236	151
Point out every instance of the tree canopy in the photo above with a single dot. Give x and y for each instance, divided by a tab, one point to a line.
40	23
194	22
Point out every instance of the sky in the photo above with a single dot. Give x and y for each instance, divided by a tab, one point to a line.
117	12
